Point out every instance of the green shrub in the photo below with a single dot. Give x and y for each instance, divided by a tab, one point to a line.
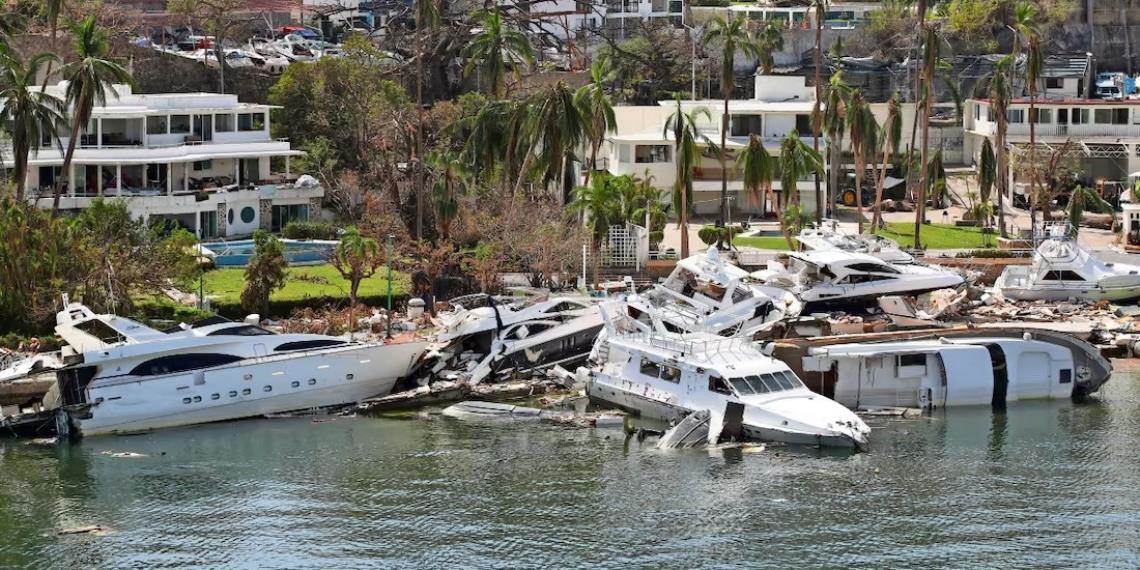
309	230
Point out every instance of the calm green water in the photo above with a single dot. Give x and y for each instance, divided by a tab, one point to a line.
1046	485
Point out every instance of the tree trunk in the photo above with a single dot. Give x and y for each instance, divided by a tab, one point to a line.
880	182
593	162
815	113
417	167
1034	196
920	207
1003	176
522	171
859	189
835	164
683	219
78	121
724	162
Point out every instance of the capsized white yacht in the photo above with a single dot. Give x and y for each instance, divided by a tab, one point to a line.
828	236
660	374
957	371
706	293
129	377
1062	269
835	277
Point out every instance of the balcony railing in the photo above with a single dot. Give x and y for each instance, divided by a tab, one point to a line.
1062	131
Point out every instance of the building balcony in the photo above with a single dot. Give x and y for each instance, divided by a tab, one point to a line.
1101	132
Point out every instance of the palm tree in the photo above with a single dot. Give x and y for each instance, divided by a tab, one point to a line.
820	11
891	135
987	170
864	133
769	41
598	202
733	36
91	77
1082	199
797	160
834	122
427	20
553	128
1025	28
1034	62
497	49
356	258
594	104
929	61
27	112
757	168
995	88
450	182
682	126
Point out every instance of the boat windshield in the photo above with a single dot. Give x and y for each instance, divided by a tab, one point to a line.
766	383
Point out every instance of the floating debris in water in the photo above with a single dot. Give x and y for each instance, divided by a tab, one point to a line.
94	530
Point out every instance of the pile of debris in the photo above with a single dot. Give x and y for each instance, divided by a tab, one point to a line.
994	309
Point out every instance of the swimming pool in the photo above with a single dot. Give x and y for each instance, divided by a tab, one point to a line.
297	252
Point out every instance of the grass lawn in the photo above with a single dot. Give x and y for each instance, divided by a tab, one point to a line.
940	236
224	285
777	243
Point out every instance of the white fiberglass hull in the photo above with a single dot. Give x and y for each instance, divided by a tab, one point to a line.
1062	291
253	387
767	422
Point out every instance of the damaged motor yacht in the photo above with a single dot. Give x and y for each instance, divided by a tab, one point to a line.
126	377
660	374
956	371
835	277
828	237
486	335
1062	269
705	293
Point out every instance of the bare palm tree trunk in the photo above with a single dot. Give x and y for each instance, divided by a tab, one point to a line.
66	168
859	189
920	207
815	124
417	171
880	183
724	163
683	218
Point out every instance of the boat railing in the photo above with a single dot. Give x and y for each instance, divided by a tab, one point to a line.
727	350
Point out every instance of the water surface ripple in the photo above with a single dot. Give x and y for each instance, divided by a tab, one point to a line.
1048	484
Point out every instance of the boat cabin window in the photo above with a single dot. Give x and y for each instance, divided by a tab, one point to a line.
101	331
765	383
873	268
855	279
740	293
565	306
308	344
183	362
719	385
910	365
1062	275
244	330
662	371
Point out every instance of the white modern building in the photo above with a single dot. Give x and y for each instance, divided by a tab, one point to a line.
204	161
641	147
568	20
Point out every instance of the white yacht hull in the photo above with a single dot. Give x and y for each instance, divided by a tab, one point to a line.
1009	289
652	403
253	387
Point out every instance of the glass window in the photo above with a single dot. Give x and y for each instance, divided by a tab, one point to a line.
251	121
670	373
1080	116
770	383
308	344
183	362
179	124
742	386
223	123
1042	116
651	153
873	267
623	153
744	125
1111	116
649	368
757	385
258	121
718	385
203	165
1062	275
1054	83
156	125
791	377
783	382
1016	116
243	330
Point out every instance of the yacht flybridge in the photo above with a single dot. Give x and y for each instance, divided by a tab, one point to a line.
660	374
835	277
828	237
1062	269
131	378
705	293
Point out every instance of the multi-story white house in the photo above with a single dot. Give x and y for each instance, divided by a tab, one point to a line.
640	146
577	19
204	161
